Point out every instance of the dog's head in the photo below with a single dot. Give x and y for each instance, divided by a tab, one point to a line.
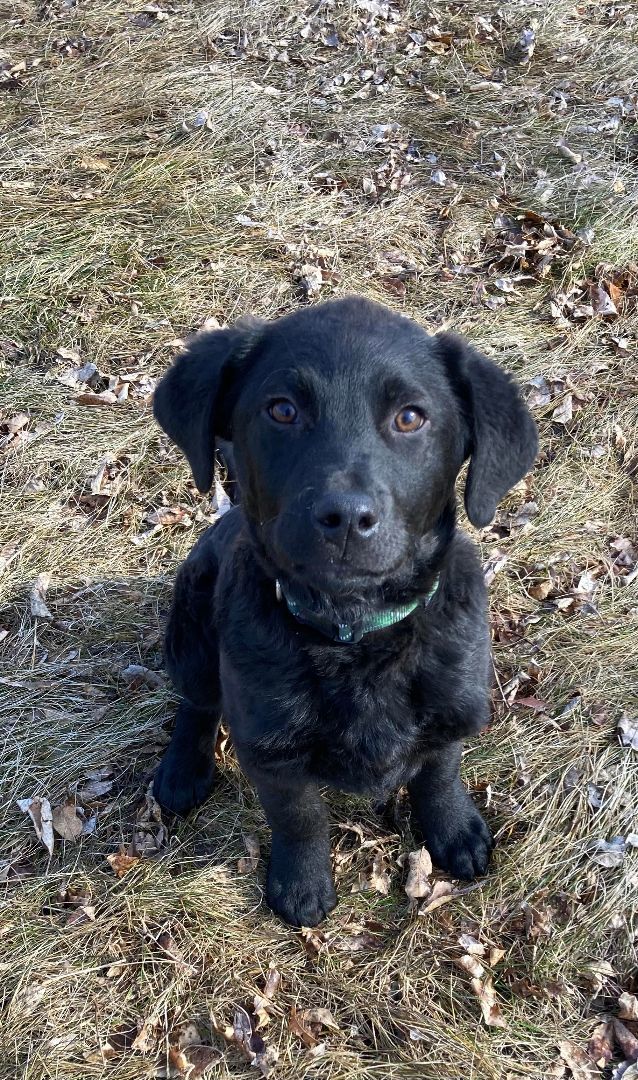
349	426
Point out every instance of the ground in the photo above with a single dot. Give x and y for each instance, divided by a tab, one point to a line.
163	165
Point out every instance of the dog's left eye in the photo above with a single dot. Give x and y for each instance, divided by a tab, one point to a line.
409	419
283	411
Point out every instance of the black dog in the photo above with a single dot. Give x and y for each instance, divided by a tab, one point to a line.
336	616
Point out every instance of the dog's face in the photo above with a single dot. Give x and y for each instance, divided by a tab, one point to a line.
349	426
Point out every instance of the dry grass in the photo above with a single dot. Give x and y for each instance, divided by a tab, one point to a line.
119	235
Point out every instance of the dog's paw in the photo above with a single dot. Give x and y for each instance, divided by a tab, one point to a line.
458	839
180	786
299	888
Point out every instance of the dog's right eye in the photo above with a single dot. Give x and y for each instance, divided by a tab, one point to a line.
283	411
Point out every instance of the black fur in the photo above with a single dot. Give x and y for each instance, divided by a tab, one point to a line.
351	515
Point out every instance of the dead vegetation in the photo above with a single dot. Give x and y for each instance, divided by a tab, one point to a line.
164	164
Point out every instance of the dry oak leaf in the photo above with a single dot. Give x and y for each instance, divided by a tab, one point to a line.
305	1034
260	1055
628	731
248	865
577	1060
121	863
600	1047
379	878
95	789
16	423
626	1040
442	891
322	1017
67	822
37	602
418	885
484	991
628	1006
471	945
470	964
39	810
106	397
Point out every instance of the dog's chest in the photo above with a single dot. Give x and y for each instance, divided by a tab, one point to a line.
365	738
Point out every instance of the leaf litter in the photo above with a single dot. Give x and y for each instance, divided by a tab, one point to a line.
39	810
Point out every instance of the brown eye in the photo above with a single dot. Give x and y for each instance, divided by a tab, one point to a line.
409	419
283	411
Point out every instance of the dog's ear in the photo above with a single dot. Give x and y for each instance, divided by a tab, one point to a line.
501	436
189	401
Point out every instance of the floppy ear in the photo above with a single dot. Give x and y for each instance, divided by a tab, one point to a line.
188	400
501	439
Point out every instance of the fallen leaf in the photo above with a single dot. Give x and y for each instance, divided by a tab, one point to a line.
601	301
538	921
273	981
524	515
168	515
394	285
68	354
418	884
532	703
608	853
67	822
169	947
496	955
628	1006
95	789
105	397
297	1027
248	865
537	390
568	153
471	945
314	941
16	423
379	878
628	731
626	1040
493	564
484	991
262	1003
199	1059
150	832
146	1038
595	795
311	279
442	891
601	1045
564	412
260	1055
577	1060
122	863
470	964
137	677
319	1016
81	914
39	810
37	603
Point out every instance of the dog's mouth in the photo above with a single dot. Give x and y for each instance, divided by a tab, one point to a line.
341	577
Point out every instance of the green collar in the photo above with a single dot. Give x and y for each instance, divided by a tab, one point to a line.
351	633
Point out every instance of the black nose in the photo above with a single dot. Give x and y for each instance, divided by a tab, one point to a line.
337	515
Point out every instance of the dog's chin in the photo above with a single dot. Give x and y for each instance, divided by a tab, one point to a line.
339	579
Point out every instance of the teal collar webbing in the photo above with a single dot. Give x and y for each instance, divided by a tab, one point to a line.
351	633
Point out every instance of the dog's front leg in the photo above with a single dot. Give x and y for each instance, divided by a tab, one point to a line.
299	888
455	834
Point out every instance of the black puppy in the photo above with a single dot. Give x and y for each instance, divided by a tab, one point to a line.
337	617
